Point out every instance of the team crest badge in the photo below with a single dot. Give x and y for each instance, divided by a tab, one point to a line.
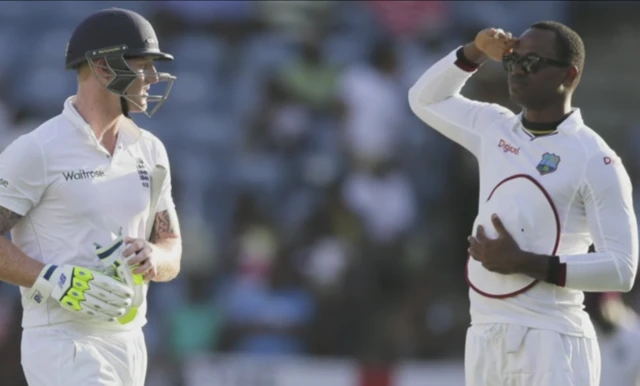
548	163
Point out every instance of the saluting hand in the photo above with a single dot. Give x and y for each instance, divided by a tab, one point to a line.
494	42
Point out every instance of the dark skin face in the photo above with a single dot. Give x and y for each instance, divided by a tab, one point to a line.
545	94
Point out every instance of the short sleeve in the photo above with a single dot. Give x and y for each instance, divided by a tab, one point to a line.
23	177
165	201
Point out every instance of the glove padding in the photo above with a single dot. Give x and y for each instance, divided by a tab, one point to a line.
82	290
113	260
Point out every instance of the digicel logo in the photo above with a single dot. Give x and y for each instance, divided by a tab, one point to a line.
508	148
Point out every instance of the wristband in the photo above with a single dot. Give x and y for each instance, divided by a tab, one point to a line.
464	63
557	272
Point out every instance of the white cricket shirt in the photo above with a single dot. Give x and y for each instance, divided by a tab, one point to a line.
586	182
74	195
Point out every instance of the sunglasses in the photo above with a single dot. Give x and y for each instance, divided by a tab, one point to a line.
530	63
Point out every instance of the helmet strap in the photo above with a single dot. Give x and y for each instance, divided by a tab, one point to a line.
125	106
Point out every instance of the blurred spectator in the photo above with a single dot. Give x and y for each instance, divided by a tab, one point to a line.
375	104
384	200
329	258
298	18
310	79
195	324
281	124
328	244
426	323
267	309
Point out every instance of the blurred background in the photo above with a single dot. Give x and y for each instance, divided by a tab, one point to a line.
324	224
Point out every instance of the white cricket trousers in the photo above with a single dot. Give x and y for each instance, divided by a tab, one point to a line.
512	355
63	357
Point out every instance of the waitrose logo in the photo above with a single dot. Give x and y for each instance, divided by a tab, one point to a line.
82	175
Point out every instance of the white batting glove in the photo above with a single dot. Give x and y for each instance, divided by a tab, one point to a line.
82	290
116	265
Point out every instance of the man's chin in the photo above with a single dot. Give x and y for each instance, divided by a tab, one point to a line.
137	107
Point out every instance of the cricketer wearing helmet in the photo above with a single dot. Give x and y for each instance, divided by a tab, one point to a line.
87	199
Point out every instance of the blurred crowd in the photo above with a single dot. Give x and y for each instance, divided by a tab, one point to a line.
320	217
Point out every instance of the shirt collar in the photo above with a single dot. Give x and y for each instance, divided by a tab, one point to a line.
128	133
571	125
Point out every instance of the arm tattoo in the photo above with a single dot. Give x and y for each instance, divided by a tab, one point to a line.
163	227
8	220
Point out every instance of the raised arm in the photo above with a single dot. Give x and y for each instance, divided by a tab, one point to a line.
436	99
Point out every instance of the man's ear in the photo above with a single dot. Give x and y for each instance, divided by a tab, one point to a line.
102	67
572	76
101	70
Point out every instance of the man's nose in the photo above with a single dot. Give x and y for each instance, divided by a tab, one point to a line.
151	77
518	70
